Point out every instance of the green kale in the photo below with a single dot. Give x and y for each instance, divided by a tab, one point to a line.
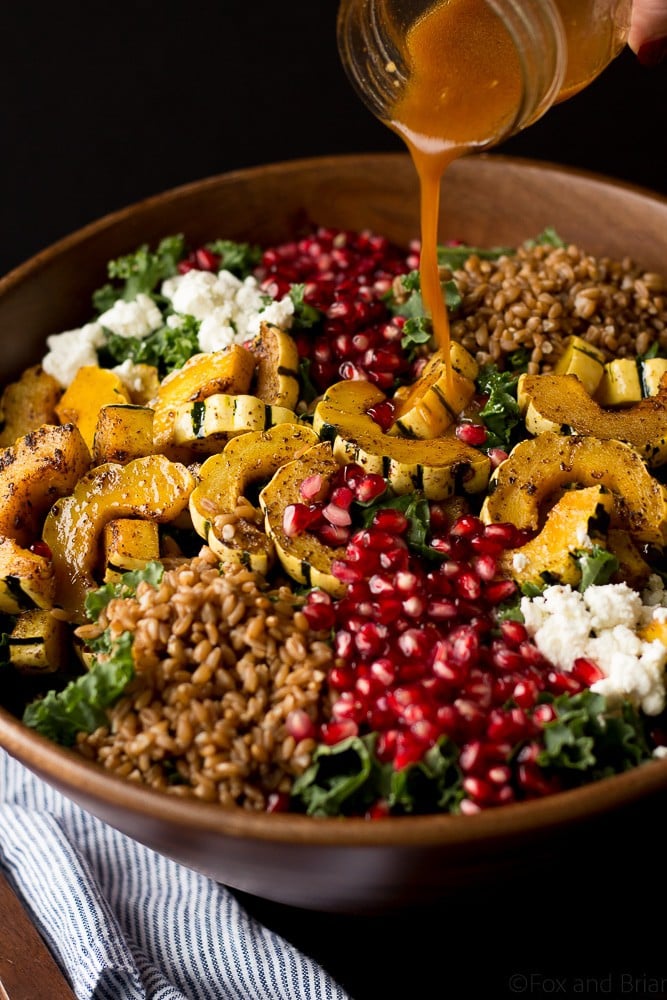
342	780
433	784
141	271
500	413
597	566
417	331
547	238
239	258
97	600
455	256
167	348
81	705
308	391
305	316
588	740
413	306
346	779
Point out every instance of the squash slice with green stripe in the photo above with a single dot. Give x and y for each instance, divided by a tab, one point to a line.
439	466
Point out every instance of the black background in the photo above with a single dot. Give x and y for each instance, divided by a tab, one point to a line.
102	105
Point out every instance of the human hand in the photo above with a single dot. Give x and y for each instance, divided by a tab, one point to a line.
648	31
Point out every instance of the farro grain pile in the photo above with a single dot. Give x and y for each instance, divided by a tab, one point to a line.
537	297
220	664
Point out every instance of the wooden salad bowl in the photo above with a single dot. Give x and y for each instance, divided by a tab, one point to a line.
342	865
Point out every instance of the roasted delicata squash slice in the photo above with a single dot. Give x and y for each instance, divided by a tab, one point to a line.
27	404
26	579
209	423
443	390
277	370
39	643
304	557
632	567
151	488
583	360
122	434
561	403
224	482
228	371
129	544
538	468
438	466
91	389
578	519
34	472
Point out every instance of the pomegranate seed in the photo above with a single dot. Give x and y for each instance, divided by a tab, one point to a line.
474	435
338	516
278	802
408	750
390	521
40	548
497	456
296	519
299	725
383	414
514	633
466	526
469	808
379	810
346	572
504	533
479	790
205	260
333	535
562	683
320	617
486	567
544	713
370	488
586	671
335	732
525	693
314	488
500	591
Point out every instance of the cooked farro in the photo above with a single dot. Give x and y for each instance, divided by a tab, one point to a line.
537	297
220	663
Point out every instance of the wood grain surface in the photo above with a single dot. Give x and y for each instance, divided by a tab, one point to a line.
27	968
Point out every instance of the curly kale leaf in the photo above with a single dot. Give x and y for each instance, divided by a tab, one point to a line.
500	413
167	348
347	778
597	566
592	740
97	600
239	258
141	271
455	255
81	705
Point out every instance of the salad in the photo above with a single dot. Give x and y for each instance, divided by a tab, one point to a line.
264	543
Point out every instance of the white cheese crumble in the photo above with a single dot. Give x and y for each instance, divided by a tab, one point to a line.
131	376
136	318
602	625
71	350
229	310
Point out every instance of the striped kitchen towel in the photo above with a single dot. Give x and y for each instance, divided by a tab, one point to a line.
125	923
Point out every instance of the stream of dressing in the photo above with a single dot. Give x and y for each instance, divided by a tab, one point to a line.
452	103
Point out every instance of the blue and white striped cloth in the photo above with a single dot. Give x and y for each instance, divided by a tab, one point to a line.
125	923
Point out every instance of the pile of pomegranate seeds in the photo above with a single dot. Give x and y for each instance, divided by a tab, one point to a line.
420	654
346	276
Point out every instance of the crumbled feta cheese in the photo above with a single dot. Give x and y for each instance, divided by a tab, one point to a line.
519	561
230	311
71	350
583	538
136	318
660	753
130	375
601	625
279	313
